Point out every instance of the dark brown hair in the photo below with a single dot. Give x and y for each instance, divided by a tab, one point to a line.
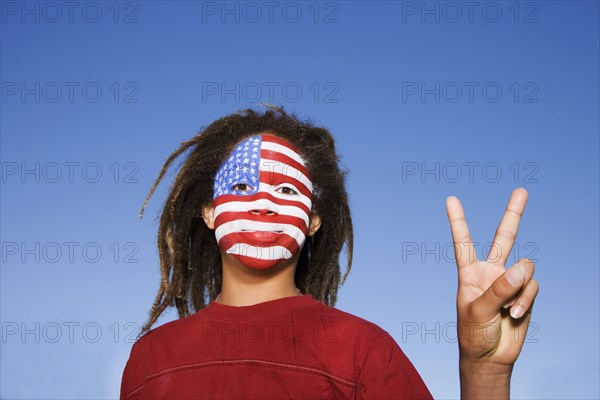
190	261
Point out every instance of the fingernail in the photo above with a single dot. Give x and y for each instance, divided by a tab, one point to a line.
507	305
516	312
515	275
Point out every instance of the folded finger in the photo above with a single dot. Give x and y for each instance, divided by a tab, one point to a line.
525	299
504	289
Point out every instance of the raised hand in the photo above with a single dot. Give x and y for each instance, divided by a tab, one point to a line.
493	303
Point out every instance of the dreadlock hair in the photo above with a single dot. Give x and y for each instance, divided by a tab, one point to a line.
190	260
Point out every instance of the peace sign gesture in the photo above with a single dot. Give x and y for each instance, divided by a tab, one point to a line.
493	303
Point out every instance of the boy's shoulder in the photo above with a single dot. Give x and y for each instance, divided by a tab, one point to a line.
350	321
167	330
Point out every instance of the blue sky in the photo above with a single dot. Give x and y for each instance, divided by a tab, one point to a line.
426	100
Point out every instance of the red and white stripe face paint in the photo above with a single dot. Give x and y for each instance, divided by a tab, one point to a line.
263	200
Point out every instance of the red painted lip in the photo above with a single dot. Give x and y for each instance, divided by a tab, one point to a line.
264	236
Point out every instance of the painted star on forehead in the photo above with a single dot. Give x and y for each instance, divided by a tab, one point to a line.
241	166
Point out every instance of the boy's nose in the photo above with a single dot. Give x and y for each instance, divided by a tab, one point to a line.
262	212
264	207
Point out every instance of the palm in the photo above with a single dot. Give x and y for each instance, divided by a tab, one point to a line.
487	332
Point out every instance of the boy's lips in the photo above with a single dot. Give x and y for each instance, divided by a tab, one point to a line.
264	236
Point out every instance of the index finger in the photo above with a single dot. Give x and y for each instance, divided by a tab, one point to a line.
505	236
463	244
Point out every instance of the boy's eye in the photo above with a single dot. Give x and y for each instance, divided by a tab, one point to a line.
287	190
241	187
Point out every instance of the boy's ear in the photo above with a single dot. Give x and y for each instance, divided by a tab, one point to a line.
315	224
208	215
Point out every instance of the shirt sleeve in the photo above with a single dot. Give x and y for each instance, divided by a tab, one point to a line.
128	379
388	374
124	380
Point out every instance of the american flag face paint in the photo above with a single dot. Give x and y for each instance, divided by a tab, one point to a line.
263	200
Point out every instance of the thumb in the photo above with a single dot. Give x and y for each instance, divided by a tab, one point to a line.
504	288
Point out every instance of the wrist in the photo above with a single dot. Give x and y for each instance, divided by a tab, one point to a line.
484	379
484	367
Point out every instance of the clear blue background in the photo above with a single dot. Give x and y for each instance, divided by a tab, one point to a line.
160	58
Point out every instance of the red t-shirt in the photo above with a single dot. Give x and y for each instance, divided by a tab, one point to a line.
289	348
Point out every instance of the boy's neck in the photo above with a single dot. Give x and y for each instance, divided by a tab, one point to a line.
245	287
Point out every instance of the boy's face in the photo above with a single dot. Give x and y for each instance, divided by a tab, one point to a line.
262	202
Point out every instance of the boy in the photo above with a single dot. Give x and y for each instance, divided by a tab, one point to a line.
255	222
